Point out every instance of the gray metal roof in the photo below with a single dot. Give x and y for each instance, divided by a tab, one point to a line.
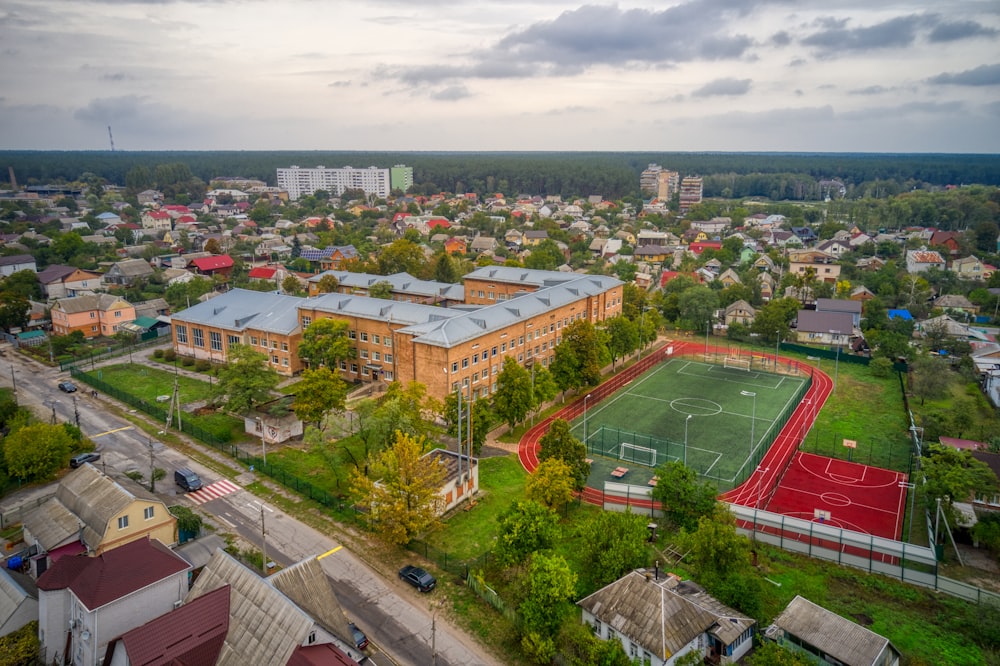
528	276
379	308
838	637
308	586
402	283
240	309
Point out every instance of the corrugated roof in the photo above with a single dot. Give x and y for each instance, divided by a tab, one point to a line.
90	302
97	581
308	586
191	635
838	637
402	283
264	626
527	276
213	263
811	321
240	309
665	615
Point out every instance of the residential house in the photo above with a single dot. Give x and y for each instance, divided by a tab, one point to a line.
841	305
128	272
17	262
86	602
969	268
533	237
824	269
861	293
108	219
653	253
94	315
219	264
455	245
652	237
482	244
952	240
764	264
156	220
61	281
331	257
824	637
767	286
918	261
835	248
825	328
290	620
948	327
729	277
698	247
740	312
870	263
954	303
713	227
92	513
805	234
514	239
18	601
660	619
149	197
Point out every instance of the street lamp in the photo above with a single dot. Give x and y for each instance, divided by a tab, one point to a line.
836	371
753	417
686	421
13	382
585	419
263	446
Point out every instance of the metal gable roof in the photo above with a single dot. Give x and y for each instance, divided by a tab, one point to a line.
240	309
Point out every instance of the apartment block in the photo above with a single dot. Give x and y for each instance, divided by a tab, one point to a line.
668	182
443	348
691	192
299	182
401	177
649	179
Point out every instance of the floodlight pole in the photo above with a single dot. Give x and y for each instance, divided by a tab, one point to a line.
836	371
263	446
753	418
688	419
13	382
585	419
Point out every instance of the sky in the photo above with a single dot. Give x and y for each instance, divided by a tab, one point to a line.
487	75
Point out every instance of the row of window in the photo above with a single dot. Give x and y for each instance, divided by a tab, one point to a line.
147	514
375	338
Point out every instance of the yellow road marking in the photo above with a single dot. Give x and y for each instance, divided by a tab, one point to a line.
329	552
102	434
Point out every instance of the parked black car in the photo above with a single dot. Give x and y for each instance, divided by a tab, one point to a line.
80	458
67	387
418	578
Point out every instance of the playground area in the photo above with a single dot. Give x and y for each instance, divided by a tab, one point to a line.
719	419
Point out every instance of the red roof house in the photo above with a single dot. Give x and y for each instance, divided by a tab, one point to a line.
219	264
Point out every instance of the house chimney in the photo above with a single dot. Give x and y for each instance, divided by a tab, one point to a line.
656	571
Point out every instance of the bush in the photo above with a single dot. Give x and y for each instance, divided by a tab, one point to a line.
158	353
169	355
202	365
187	361
881	367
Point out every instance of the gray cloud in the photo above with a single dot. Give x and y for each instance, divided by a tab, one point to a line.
870	90
984	75
571	109
895	32
723	87
950	32
601	35
340	84
993	108
451	94
116	76
781	38
902	110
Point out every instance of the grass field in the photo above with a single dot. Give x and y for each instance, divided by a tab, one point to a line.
718	420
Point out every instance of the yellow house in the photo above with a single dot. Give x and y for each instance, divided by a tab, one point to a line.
92	513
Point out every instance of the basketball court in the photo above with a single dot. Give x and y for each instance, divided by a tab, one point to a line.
844	494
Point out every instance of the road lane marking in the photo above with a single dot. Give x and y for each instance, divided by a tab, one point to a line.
102	434
329	552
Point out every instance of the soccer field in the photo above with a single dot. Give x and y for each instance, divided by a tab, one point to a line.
718	420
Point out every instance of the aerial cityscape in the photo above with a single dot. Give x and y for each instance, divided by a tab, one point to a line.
495	333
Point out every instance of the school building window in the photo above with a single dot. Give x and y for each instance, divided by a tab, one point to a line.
215	339
182	334
199	337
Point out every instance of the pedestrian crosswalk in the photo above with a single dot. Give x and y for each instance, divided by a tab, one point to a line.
213	491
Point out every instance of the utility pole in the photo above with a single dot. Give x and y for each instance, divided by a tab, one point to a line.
13	382
152	468
263	543
76	413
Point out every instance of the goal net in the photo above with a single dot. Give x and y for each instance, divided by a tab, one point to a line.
640	455
736	363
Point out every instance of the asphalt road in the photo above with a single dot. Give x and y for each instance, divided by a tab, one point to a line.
399	621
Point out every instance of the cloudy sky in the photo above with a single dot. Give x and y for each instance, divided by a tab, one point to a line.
770	75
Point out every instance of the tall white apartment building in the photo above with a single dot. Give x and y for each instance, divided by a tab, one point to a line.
299	182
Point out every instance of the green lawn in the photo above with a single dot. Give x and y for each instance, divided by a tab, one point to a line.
149	383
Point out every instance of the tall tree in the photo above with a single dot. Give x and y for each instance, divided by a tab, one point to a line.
320	392
246	380
445	269
623	338
715	549
512	399
550	484
327	284
682	498
697	306
524	528
954	476
401	256
614	543
400	489
559	443
543	386
549	586
545	256
773	320
581	350
35	452
326	342
381	289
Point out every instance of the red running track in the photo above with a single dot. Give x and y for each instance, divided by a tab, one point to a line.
759	486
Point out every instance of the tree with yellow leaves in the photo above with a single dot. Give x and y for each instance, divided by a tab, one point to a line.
400	485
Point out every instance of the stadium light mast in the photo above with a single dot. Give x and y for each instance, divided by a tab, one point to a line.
836	371
753	417
585	419
686	421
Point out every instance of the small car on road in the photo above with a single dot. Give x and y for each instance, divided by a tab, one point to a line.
418	578
67	387
360	640
80	458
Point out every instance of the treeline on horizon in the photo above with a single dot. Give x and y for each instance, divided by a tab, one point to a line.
776	176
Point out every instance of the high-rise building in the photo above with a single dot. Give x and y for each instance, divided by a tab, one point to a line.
667	184
649	178
401	177
691	190
299	182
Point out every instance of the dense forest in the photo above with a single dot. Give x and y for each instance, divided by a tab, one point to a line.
776	176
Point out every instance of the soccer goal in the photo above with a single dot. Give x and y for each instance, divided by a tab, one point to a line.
641	455
736	363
